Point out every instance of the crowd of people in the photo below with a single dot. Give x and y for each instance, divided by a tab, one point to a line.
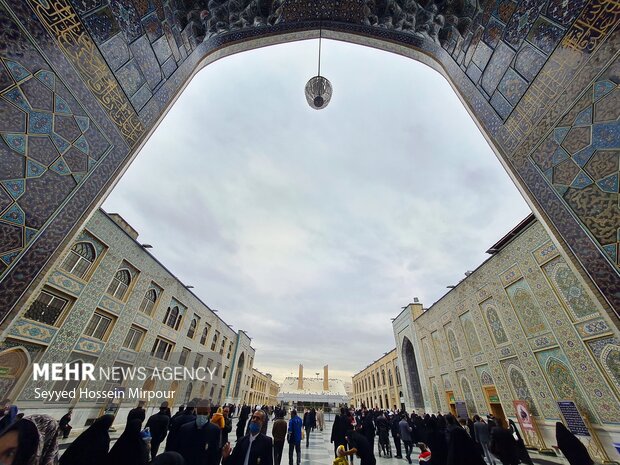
198	434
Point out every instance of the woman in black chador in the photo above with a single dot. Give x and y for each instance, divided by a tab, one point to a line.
91	447
573	449
130	448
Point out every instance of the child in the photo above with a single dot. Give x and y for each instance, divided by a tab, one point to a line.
342	456
425	453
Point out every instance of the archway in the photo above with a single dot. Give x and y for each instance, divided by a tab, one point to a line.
539	83
13	363
240	364
411	374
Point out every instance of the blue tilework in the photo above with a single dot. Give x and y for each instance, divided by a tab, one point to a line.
500	104
512	86
16	142
17	71
47	78
145	57
101	24
564	11
61	144
606	135
559	134
602	88
582	180
522	20
15	187
61	106
130	77
582	157
115	51
498	65
584	118
545	35
609	184
14	215
34	169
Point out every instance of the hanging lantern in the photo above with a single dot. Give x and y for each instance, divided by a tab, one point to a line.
318	88
318	92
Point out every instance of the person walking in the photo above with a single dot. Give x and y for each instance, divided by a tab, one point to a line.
278	433
294	437
462	449
406	436
158	426
130	448
175	426
573	449
198	440
137	413
63	424
359	445
92	446
504	446
483	437
244	413
253	449
395	429
339	430
308	426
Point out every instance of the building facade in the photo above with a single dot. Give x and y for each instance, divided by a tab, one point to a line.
263	389
522	326
379	384
109	302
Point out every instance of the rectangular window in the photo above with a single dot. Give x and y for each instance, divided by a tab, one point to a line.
161	349
47	308
225	373
99	325
197	360
230	346
224	339
134	338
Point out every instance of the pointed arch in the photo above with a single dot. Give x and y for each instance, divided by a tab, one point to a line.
412	376
15	361
521	388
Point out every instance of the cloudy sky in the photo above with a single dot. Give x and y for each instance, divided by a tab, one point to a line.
311	229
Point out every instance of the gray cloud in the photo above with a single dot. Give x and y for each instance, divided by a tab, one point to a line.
311	229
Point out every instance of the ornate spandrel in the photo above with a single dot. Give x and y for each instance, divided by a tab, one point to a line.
443	24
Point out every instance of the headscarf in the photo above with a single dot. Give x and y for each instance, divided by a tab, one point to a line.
218	418
573	449
91	446
129	449
462	450
9	418
47	452
27	441
168	458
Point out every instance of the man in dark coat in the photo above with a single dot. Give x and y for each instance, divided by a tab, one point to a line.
395	428
198	440
137	413
483	437
175	426
254	448
158	425
339	430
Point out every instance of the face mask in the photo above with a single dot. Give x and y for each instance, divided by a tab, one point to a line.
254	428
201	420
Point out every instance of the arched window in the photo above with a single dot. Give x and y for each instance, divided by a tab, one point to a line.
148	302
192	328
374	385
80	258
172	317
397	375
188	393
120	284
383	376
205	334
390	380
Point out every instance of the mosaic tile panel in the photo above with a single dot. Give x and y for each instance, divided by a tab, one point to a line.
527	308
607	353
89	346
33	331
66	282
570	289
593	327
496	327
470	333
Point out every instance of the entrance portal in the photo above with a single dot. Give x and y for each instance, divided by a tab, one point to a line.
411	372
83	84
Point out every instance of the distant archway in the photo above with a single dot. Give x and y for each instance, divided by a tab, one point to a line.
411	374
240	365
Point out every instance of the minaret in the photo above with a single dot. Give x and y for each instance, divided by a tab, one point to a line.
300	380
325	379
